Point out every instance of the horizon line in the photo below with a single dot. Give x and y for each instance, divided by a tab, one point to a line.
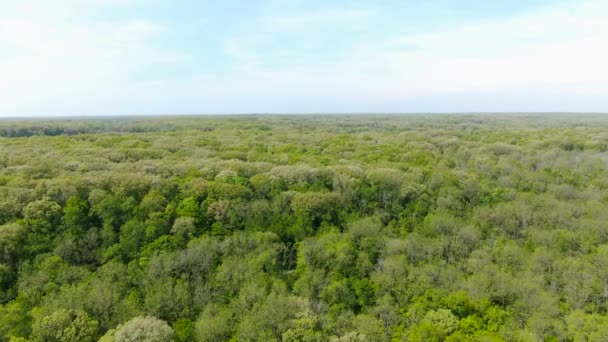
156	115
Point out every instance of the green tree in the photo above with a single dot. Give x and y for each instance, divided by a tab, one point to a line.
65	326
140	329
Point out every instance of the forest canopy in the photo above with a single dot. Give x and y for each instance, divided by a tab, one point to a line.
305	228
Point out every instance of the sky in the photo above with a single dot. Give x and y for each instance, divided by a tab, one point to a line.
115	57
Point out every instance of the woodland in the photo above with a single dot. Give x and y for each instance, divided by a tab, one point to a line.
460	227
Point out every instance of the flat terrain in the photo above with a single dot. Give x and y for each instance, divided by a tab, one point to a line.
305	228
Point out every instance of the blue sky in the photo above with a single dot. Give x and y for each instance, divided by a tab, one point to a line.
109	57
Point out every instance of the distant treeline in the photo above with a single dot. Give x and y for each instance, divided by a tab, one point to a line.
23	129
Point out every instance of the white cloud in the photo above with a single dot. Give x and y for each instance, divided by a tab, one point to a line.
318	19
51	63
559	47
557	51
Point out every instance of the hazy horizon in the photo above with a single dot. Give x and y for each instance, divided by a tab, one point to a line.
362	114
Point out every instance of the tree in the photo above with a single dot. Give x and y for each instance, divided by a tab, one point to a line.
304	328
313	208
11	248
188	207
65	326
183	329
269	317
44	209
443	319
141	329
215	324
76	215
183	227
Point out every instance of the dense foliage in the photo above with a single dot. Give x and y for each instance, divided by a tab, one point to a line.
305	228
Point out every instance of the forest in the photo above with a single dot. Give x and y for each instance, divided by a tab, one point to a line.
460	227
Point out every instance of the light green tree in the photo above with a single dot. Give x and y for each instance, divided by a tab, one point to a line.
65	326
